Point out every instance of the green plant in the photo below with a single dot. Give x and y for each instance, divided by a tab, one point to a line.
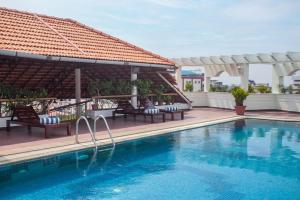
159	91
144	88
251	89
9	92
168	99
106	88
189	87
282	89
263	89
109	87
122	87
93	88
223	88
290	89
239	95
212	88
19	96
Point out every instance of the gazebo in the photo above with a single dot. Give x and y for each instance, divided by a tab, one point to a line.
63	56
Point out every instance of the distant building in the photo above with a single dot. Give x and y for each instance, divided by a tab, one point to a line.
195	79
296	81
216	83
262	84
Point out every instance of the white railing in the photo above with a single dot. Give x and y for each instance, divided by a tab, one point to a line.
89	127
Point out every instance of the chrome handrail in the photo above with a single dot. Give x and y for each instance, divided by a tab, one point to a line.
93	132
107	127
89	127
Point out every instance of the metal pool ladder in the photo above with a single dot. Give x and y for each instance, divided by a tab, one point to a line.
93	132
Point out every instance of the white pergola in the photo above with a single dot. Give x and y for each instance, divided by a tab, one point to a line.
283	64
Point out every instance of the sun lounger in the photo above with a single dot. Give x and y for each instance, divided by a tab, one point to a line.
125	108
172	113
27	116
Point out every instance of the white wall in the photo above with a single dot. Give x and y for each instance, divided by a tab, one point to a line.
287	102
197	98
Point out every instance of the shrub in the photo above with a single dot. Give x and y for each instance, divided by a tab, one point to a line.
290	89
223	88
263	89
251	89
189	87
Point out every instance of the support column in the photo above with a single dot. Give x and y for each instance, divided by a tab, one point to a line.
206	83
78	89
245	76
277	80
134	91
179	78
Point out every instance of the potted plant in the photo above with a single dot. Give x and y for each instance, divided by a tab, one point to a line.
144	89
168	99
159	91
240	96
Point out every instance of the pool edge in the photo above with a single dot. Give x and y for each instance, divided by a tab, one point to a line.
26	156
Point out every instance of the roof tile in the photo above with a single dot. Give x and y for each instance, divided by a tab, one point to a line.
51	36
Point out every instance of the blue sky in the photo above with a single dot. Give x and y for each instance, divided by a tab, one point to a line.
176	28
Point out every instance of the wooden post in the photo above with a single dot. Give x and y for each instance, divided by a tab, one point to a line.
78	90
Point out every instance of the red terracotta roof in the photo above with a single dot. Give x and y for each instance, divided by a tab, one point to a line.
52	36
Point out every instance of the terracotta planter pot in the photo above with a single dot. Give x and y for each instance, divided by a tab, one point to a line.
240	110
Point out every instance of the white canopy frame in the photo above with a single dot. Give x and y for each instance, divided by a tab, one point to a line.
283	64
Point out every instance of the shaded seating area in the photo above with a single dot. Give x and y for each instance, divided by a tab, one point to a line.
26	116
76	64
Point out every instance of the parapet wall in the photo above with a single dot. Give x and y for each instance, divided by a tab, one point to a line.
286	102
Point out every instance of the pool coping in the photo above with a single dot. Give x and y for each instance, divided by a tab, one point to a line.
32	155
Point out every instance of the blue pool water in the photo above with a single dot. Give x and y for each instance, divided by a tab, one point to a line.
251	159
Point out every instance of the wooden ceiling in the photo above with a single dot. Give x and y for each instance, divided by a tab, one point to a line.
58	77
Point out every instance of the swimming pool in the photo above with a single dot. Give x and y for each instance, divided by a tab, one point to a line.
245	159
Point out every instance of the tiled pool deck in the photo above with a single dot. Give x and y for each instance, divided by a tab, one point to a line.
19	145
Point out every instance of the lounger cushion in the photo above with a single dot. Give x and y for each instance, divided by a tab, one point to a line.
151	111
50	120
171	108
